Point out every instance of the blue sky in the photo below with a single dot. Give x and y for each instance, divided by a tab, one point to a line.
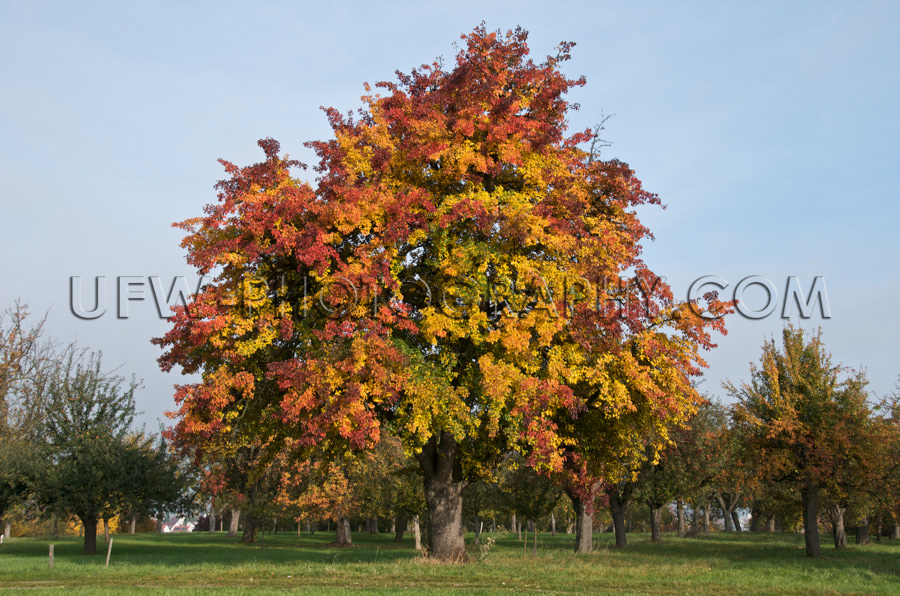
770	130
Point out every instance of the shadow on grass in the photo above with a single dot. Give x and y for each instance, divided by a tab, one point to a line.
178	550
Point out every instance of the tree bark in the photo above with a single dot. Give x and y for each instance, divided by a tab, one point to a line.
755	520
342	533
736	519
726	513
679	512
515	525
55	526
417	533
90	536
809	495
250	523
132	523
655	522
836	512
235	521
443	495
584	524
617	502
895	535
552	524
106	530
862	532
400	527
212	515
770	524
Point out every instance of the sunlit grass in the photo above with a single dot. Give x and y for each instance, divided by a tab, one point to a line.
719	564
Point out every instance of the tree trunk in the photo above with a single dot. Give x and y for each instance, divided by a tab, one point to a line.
895	535
250	523
417	533
400	527
212	515
584	524
862	532
132	523
617	502
755	521
235	520
679	512
655	522
736	518
90	536
7	529
106	530
443	495
726	514
55	526
809	496
478	525
770	524
836	512
515	526
552	524
342	533
706	522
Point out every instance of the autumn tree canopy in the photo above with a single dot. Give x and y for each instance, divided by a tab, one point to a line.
463	271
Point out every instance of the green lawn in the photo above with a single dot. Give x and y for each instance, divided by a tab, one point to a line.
719	564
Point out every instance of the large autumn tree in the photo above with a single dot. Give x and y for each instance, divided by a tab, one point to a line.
463	271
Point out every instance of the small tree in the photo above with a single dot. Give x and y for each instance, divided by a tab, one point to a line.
26	359
802	420
89	415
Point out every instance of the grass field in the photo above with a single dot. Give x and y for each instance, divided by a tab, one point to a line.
185	563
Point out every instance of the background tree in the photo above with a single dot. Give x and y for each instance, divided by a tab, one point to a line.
527	492
156	482
801	419
27	359
88	418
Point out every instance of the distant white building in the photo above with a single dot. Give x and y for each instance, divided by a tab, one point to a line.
178	524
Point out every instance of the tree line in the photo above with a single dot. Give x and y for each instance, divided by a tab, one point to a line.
801	446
